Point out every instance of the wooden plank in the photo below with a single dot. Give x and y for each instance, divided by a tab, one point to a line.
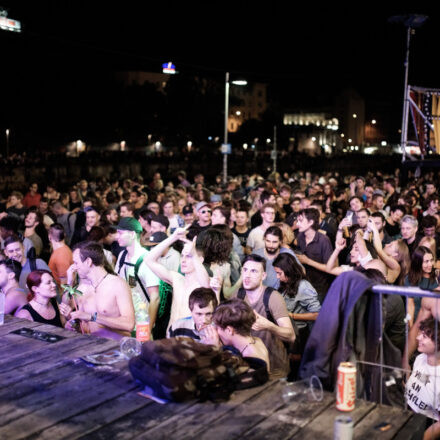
51	357
160	421
95	418
413	429
12	324
21	350
23	346
396	417
288	421
53	396
236	420
188	423
322	425
138	422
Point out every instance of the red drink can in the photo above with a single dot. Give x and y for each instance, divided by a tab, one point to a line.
346	387
143	331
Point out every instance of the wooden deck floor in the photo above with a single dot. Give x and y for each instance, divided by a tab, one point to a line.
47	393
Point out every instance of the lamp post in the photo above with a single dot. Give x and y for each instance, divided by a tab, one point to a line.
7	143
225	136
225	149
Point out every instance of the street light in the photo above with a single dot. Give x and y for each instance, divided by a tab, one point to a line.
7	142
225	147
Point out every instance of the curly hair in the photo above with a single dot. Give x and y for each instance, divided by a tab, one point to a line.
215	244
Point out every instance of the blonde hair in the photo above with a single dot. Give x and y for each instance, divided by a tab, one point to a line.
403	259
430	243
288	235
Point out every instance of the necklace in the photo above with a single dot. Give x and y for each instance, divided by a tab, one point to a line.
247	345
41	304
100	281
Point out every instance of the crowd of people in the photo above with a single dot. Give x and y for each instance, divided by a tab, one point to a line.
247	263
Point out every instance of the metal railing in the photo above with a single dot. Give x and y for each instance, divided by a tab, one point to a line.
407	292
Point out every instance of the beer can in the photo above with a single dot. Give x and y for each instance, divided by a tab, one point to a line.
346	387
343	428
143	331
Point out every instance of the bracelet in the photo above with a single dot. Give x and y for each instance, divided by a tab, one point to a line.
93	317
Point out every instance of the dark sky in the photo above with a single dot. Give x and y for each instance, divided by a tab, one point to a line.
306	53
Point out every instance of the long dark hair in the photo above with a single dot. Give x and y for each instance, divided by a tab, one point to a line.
415	273
293	272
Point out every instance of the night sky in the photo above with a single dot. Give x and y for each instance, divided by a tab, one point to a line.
306	54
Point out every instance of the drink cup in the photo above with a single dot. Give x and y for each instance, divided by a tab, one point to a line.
307	390
130	347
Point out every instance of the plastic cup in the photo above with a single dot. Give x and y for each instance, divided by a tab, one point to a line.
130	347
307	390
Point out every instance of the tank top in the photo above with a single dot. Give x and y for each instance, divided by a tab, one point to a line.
38	318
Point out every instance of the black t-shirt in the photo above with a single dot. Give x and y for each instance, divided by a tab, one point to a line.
395	320
287	209
413	246
242	236
17	212
392	230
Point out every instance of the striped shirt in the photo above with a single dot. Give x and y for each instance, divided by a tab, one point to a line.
184	327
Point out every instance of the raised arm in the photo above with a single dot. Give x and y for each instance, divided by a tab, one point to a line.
411	345
151	259
200	270
333	260
377	242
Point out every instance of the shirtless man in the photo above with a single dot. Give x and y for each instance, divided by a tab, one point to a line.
191	266
15	298
106	308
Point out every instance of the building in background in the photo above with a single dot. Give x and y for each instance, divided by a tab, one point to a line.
253	103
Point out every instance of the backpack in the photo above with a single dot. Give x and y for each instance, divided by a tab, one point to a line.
136	270
32	257
241	294
180	368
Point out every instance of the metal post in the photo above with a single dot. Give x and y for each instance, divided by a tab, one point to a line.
275	149
404	134
225	138
7	143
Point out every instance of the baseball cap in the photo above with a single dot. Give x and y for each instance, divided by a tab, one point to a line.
200	205
215	198
129	224
157	237
187	209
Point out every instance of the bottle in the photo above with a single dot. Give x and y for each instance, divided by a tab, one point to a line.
142	323
2	308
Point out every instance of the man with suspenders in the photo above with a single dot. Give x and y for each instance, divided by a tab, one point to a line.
143	282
